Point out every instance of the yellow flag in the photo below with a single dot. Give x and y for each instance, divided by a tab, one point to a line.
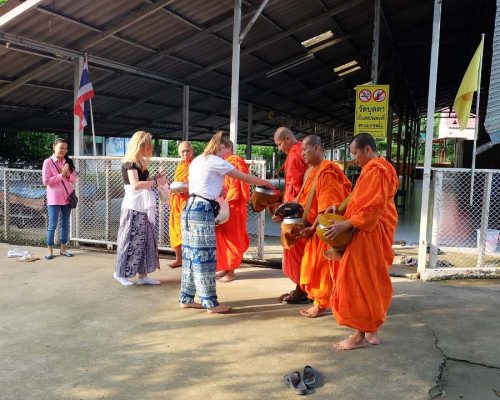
469	85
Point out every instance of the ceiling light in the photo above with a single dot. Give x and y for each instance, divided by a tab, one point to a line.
317	39
345	66
349	71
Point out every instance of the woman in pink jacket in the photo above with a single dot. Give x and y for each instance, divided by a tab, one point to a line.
59	175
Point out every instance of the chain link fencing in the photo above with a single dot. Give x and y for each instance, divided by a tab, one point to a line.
100	191
465	236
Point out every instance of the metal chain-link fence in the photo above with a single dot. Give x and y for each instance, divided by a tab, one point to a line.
464	235
23	213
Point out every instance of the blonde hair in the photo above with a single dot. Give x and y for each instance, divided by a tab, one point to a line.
218	139
139	149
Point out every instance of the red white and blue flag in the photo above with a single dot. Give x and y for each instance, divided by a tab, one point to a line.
85	93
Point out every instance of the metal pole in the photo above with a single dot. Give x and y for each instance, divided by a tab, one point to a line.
388	149
185	112
252	21
77	133
375	42
431	106
476	130
250	131
485	214
235	74
332	145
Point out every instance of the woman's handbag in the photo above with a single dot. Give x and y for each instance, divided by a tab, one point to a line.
223	215
73	199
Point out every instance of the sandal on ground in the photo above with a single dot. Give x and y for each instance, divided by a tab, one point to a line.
49	257
66	253
295	383
296	297
309	376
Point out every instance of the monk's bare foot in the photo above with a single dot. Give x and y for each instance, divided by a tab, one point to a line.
220	309
355	341
228	277
313	312
372	338
175	264
190	305
220	274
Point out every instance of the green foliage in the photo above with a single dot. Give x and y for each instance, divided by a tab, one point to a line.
2	2
27	147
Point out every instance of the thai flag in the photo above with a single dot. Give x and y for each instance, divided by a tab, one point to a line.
85	93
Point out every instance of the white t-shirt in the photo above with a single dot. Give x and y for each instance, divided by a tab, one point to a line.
206	175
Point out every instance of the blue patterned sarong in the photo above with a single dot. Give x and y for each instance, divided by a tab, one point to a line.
198	253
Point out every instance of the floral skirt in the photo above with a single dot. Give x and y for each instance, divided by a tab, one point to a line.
137	250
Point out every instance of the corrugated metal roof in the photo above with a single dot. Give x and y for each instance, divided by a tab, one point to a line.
492	121
191	42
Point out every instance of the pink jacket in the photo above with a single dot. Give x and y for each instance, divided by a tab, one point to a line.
54	181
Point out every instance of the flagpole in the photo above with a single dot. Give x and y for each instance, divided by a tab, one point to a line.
476	130
94	148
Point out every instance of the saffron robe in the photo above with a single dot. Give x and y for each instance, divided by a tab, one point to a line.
295	167
332	187
177	203
362	286
232	236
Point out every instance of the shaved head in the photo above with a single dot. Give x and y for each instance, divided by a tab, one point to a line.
284	139
313	140
362	140
282	132
186	151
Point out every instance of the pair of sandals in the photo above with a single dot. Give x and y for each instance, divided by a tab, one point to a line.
300	383
294	297
63	253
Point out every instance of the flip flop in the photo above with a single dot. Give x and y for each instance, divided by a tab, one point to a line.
309	376
66	253
49	257
295	383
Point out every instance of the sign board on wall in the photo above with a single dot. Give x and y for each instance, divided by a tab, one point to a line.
372	110
449	128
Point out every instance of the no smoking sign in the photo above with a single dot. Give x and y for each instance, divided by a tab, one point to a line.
365	95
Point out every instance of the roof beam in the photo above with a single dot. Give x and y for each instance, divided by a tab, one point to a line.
282	35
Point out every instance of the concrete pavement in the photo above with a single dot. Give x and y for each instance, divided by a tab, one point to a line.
69	331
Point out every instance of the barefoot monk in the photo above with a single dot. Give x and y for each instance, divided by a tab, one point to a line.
325	184
178	201
232	236
362	289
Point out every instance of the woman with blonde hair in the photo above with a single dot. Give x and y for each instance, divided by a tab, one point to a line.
206	179
137	251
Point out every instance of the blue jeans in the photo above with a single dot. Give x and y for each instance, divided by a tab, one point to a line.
54	211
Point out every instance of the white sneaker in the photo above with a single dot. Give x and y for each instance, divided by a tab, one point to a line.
147	281
16	253
123	281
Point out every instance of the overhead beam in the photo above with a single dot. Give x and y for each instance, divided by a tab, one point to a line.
282	35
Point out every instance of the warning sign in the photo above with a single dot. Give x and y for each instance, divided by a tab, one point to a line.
372	107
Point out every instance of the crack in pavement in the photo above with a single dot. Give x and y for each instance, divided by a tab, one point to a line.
438	390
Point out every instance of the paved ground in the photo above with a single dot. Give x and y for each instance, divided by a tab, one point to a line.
69	331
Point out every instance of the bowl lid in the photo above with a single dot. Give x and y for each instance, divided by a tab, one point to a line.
265	190
289	209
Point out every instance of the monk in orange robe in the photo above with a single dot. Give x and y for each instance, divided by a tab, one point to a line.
178	201
330	186
232	236
295	167
362	286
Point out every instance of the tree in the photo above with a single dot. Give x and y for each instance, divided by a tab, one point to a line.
29	148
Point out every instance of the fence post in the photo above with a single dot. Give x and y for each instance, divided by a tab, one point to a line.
262	222
436	216
485	213
6	203
75	229
107	215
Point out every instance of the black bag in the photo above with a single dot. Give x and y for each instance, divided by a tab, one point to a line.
73	199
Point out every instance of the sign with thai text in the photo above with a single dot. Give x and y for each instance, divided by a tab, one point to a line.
372	110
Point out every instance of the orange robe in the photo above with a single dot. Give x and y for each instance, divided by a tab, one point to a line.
332	187
177	203
295	167
362	287
232	236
